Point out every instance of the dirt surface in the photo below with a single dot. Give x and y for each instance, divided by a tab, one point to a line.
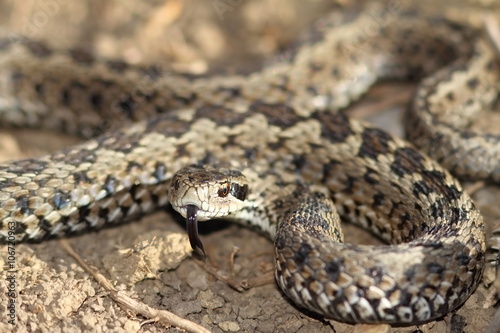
150	261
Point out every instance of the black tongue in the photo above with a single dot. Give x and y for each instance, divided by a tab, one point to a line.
192	228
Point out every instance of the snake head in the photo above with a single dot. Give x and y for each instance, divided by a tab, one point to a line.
201	193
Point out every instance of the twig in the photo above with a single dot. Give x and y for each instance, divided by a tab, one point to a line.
234	252
121	298
474	187
493	32
233	283
392	96
261	280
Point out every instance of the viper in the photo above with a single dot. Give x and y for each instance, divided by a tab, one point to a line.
273	150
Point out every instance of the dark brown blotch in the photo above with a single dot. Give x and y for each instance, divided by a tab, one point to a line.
82	57
116	141
132	165
25	166
38	49
160	171
169	125
233	92
222	115
6	43
277	114
378	199
96	100
334	126
61	200
22	203
375	142
126	105
302	255
436	182
81	178
117	66
329	170
153	72
473	83
333	269
406	161
368	176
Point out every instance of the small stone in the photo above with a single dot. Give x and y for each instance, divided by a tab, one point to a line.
248	311
88	321
229	326
209	301
185	308
197	281
132	326
97	308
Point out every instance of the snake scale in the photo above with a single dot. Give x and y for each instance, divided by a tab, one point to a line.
280	134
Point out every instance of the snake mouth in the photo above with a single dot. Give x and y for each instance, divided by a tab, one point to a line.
192	229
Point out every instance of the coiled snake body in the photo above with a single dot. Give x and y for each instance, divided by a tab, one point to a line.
302	161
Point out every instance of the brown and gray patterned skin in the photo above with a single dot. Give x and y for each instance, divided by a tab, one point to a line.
297	156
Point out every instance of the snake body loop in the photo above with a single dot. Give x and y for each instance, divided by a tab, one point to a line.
303	160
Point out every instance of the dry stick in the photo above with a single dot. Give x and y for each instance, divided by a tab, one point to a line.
234	252
493	32
398	96
219	275
233	281
121	298
261	280
474	187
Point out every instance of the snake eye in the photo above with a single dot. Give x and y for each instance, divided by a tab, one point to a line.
176	184
223	190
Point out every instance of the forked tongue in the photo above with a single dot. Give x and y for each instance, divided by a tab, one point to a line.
192	228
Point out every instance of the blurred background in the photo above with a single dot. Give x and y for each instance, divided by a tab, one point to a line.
190	34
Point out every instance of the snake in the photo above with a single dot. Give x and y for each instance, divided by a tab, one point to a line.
274	151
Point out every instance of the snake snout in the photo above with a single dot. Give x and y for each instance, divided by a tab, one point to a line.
201	193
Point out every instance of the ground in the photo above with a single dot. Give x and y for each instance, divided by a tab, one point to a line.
150	261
